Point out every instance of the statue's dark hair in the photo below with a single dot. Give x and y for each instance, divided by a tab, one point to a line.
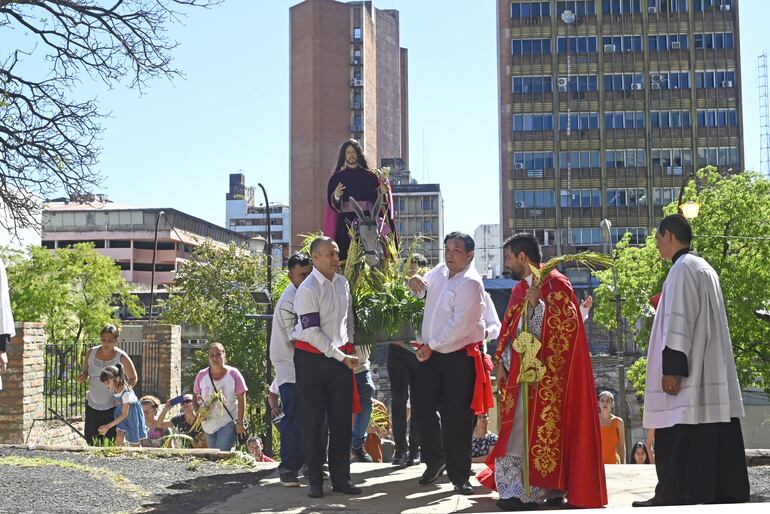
359	151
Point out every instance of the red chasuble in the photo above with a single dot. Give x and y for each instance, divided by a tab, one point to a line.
563	425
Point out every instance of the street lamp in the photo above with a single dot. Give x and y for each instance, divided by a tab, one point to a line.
269	318
690	208
606	226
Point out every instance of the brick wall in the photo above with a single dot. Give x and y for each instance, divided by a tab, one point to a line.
21	399
169	338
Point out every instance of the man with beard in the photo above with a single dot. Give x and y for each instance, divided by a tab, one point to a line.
564	448
352	178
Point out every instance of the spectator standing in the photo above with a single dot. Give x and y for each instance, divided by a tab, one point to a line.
613	431
221	395
282	357
99	400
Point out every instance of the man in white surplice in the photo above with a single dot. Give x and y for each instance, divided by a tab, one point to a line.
7	327
692	396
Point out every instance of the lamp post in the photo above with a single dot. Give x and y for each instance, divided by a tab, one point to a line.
152	272
620	347
690	208
269	321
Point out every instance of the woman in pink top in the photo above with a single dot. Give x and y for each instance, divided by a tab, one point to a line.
224	419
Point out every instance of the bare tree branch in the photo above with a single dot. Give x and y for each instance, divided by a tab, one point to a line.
48	140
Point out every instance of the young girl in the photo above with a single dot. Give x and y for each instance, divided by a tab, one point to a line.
129	418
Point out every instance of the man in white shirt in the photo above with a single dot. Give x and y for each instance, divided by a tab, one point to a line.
282	357
7	327
323	364
692	396
452	328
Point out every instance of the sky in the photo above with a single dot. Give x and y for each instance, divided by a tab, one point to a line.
175	144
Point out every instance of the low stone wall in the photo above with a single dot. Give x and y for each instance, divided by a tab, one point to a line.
56	433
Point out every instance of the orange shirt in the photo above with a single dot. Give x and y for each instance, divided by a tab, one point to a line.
610	440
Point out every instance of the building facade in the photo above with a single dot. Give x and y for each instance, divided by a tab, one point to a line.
488	257
127	235
348	80
606	106
248	219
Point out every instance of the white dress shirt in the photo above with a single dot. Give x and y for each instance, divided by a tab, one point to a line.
491	319
325	314
281	345
454	309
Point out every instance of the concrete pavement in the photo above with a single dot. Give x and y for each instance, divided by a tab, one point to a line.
387	489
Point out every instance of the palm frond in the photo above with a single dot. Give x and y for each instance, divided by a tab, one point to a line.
590	260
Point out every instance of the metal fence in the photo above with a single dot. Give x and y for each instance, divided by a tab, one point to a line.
65	397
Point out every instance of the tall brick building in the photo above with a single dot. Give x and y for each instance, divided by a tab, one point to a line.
606	106
348	80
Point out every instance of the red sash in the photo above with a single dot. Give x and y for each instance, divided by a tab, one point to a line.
483	399
347	349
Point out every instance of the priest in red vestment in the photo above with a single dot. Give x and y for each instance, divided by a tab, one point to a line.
564	450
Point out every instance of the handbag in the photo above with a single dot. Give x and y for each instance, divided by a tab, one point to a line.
242	438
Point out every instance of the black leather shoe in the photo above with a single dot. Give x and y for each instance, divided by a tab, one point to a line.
400	459
359	455
464	488
432	474
513	504
346	489
652	502
316	491
414	458
559	501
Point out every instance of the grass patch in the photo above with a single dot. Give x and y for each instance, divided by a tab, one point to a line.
194	464
118	480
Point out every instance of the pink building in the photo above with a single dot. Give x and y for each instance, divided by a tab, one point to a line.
127	234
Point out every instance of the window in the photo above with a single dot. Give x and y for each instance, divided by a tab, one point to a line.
576	44
582	198
622	43
663	196
532	163
578	83
717	117
427	203
621	82
586	236
535	199
530	46
626	197
673	119
712	5
717	40
579	160
722	156
622	6
664	42
621	119
357	33
530	9
532	122
625	158
427	227
638	234
579	121
579	7
714	79
538	84
670	80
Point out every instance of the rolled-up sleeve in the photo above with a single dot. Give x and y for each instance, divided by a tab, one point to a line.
308	328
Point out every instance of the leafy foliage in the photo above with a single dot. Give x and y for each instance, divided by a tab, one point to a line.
732	232
73	290
212	291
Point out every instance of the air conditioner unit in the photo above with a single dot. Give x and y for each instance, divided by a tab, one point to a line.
520	205
518	166
652	10
655	85
608	49
724	7
636	86
727	83
563	81
676	45
358	82
563	89
655	77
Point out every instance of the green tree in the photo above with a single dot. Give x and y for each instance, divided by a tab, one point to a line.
212	291
732	232
74	290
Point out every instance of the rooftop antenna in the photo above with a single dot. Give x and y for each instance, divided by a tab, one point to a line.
764	117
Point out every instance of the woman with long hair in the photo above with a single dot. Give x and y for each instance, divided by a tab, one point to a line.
99	400
613	431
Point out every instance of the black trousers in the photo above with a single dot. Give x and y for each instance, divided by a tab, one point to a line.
445	383
96	418
703	463
325	389
402	372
